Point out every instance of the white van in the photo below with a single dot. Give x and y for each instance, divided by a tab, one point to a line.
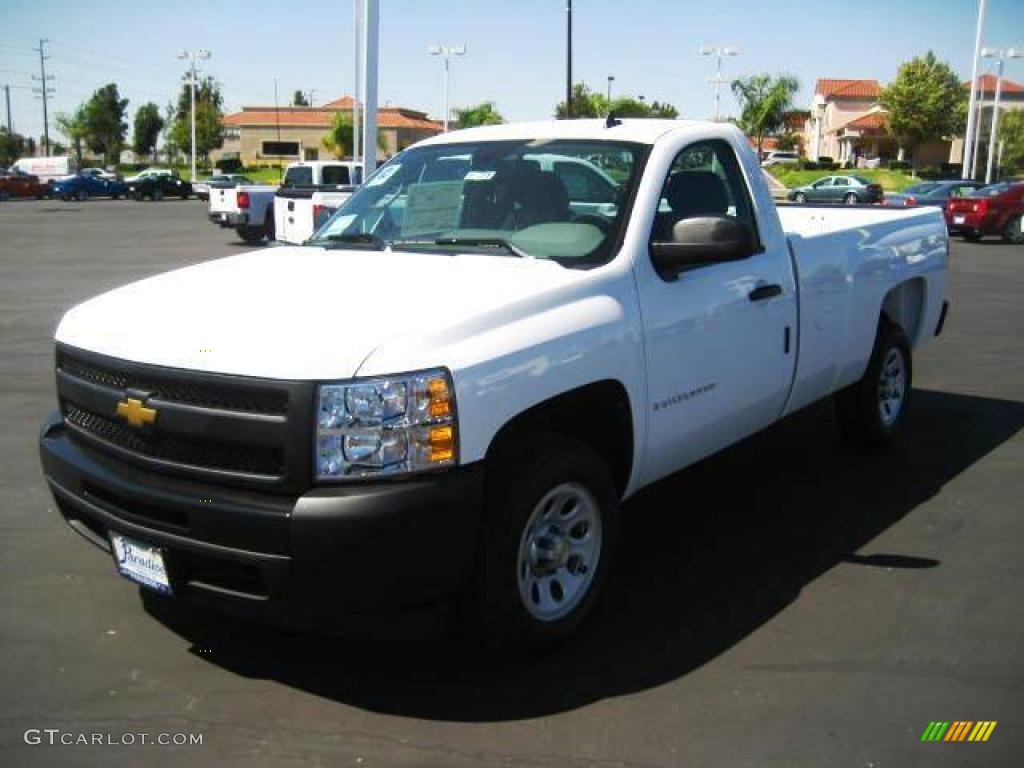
47	168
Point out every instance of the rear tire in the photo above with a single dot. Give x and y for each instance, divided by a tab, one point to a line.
1013	232
4	196
157	195
971	237
872	411
251	234
269	226
850	199
550	532
81	195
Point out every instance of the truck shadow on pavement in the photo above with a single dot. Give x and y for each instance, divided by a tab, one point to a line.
707	556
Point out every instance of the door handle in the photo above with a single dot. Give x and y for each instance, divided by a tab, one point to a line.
765	291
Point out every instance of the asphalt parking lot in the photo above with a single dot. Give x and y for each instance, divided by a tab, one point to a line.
786	603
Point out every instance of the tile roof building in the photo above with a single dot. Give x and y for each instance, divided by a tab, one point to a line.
271	136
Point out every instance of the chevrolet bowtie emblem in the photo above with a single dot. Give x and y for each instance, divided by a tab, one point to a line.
135	413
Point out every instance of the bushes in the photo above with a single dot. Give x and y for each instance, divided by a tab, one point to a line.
898	165
822	164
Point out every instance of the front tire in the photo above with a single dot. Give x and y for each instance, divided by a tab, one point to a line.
872	411
850	199
251	234
1013	232
550	533
800	197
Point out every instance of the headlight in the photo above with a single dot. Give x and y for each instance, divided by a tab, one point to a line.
385	426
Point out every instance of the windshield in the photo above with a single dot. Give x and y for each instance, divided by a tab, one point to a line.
992	190
920	189
561	200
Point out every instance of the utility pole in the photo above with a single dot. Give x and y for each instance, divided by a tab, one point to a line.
611	78
193	56
1002	55
969	144
447	51
718	51
45	91
357	47
7	96
371	35
568	60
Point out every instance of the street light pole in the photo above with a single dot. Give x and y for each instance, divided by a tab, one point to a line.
371	57
718	51
193	56
568	59
610	79
1002	55
447	51
969	143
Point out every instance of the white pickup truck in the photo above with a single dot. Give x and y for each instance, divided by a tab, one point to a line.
442	399
310	193
247	208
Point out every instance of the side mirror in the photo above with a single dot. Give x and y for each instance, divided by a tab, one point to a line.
701	241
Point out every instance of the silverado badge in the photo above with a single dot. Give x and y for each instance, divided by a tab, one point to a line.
135	413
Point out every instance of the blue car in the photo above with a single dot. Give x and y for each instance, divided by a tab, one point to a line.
86	185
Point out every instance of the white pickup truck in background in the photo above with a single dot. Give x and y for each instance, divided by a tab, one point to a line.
248	209
309	194
487	356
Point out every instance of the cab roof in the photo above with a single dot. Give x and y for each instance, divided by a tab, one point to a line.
637	130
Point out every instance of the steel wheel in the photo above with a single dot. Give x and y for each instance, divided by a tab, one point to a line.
850	199
559	552
891	387
800	197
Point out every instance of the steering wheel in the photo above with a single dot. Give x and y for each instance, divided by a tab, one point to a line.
592	218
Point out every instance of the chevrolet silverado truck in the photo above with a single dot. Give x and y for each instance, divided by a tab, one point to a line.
310	193
439	402
246	208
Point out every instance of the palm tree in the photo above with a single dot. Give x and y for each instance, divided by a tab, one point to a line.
764	101
75	128
339	137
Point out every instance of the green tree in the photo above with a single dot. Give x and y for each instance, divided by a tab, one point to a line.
480	114
1011	132
299	99
75	129
105	122
585	103
148	124
339	137
209	112
925	101
764	100
12	146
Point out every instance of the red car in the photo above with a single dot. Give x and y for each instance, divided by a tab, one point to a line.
997	209
15	184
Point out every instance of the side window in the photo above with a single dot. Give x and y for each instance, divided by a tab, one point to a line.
822	183
704	180
335	174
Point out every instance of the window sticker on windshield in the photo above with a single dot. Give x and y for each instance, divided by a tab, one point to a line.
383	175
479	175
432	207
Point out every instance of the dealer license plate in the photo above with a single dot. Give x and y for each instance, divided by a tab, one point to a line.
959	219
141	563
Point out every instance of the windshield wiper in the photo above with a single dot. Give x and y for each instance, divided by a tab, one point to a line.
369	239
489	242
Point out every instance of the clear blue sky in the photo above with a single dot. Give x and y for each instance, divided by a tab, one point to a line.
516	47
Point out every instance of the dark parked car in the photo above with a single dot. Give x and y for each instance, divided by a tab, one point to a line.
997	209
937	193
159	187
838	189
18	184
86	185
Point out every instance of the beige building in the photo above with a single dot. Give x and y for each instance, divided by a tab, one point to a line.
273	136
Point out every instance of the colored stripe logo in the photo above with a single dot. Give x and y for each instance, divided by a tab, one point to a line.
959	730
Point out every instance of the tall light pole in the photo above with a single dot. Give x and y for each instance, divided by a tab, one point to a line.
193	56
568	59
357	49
371	37
611	79
969	143
718	51
447	51
1002	54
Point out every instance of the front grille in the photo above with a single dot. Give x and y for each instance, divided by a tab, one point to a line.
200	454
236	430
204	395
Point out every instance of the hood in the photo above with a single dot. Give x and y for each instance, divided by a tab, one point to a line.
300	312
